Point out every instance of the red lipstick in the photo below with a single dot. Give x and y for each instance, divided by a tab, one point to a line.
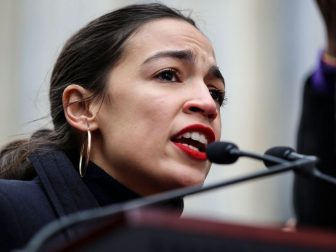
192	153
192	140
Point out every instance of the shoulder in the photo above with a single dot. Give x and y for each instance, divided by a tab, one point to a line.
20	191
24	209
24	197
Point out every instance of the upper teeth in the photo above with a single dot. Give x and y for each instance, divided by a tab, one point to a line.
195	136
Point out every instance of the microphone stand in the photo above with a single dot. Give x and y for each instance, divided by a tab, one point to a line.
310	170
323	177
68	221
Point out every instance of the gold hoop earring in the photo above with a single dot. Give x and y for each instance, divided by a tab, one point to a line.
82	169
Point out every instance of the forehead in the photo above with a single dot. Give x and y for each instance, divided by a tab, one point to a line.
169	34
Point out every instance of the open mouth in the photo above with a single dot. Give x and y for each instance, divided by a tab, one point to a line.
193	140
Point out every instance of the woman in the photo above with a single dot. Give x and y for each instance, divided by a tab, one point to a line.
137	93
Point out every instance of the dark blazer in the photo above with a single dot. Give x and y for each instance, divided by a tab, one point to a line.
26	206
314	201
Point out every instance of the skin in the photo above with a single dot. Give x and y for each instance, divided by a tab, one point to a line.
146	103
328	12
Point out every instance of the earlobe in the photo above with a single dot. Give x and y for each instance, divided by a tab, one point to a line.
76	105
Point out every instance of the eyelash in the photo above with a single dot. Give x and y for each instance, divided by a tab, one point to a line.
161	74
217	94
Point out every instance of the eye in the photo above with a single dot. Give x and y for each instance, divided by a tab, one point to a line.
217	95
170	75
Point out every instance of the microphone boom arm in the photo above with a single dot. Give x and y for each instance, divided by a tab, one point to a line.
68	221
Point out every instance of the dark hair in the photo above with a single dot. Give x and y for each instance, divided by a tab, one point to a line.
85	59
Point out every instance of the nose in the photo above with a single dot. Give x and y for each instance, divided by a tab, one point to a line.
201	103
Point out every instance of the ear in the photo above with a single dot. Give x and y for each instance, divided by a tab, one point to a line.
79	110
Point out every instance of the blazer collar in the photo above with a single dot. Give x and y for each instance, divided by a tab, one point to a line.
61	182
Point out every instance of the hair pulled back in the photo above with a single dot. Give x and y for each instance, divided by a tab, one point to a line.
85	60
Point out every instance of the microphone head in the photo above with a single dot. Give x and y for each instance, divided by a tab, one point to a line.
222	152
280	152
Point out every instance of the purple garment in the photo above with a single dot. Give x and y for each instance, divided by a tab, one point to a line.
323	77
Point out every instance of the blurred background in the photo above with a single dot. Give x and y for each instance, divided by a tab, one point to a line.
264	48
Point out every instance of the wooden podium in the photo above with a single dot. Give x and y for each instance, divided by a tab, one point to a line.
152	230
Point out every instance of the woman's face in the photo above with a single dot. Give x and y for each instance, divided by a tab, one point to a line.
162	108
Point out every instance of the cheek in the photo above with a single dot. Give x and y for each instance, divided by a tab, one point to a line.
154	120
218	127
136	118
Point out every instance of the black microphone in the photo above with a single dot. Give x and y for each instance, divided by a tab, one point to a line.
290	155
287	153
222	152
228	153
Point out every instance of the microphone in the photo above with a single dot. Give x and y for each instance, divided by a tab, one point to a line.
290	155
287	153
228	153
222	152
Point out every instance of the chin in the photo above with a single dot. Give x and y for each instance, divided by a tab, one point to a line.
186	180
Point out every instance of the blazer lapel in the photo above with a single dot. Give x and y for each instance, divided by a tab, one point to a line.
62	184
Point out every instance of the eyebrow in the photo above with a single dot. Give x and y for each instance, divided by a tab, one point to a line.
188	56
185	55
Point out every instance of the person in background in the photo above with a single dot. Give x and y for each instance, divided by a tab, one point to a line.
313	200
135	98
